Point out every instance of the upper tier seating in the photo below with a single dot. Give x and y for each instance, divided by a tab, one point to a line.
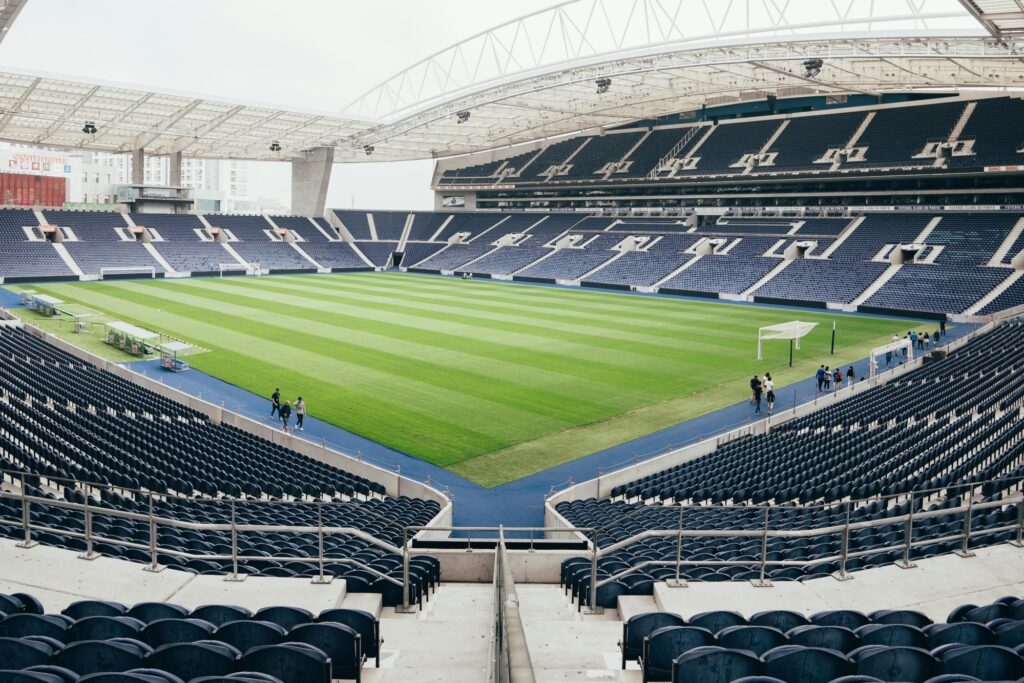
379	253
975	643
868	452
92	226
424	225
245	228
389	224
172	227
894	136
98	640
133	439
305	228
356	222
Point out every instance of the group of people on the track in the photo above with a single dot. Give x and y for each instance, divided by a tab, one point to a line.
762	387
826	376
284	412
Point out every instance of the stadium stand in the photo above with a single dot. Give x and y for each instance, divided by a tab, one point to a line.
22	259
106	640
78	431
979	643
908	446
93	242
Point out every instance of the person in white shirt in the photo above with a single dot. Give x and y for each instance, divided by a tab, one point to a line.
300	413
769	391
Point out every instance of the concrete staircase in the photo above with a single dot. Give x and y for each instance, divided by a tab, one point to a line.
169	270
303	254
876	285
446	642
1004	249
66	257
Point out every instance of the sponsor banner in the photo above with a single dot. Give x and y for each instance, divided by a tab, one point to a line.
32	162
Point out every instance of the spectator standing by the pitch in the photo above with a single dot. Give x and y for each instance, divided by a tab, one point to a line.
275	402
755	386
300	413
286	413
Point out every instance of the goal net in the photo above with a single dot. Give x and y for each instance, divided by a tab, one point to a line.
235	267
128	270
794	330
893	354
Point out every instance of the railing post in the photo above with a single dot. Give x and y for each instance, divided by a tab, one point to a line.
965	550
405	607
678	582
841	575
592	597
154	566
234	575
26	516
321	578
761	582
908	538
88	554
1020	525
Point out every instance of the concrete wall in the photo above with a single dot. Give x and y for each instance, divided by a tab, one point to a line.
394	483
310	178
477	566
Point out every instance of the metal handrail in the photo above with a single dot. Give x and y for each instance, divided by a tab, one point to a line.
154	521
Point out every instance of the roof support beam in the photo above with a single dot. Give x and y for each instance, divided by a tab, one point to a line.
71	113
141	141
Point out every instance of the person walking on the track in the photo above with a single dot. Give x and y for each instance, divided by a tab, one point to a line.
755	386
286	413
300	413
275	402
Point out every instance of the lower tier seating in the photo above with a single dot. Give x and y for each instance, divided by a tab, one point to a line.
106	641
975	643
31	260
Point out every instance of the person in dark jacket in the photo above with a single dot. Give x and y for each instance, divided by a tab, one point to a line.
942	328
286	413
275	402
821	377
755	386
850	376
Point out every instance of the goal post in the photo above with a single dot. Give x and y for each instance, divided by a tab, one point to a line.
236	267
892	352
794	331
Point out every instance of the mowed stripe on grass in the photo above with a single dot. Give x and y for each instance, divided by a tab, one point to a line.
454	371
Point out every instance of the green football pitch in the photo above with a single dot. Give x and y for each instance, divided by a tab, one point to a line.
493	381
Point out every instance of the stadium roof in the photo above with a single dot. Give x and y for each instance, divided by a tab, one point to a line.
1000	17
536	77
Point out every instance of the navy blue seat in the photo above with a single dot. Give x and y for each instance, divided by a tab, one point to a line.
245	635
713	664
663	645
220	614
289	663
910	664
892	635
757	639
149	612
796	664
829	637
342	644
17	653
717	620
985	662
177	630
638	627
11	676
195	660
94	656
286	617
965	633
94	608
783	620
25	624
104	628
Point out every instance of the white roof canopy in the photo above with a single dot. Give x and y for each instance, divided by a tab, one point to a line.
535	78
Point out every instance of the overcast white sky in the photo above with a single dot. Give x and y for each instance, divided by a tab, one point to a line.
317	54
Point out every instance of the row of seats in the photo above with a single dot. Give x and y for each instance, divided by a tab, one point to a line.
891	138
92	640
975	643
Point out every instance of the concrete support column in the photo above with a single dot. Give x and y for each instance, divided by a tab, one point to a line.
138	166
310	177
175	172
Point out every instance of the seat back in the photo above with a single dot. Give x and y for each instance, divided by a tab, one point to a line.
984	662
639	626
807	664
195	660
910	664
288	662
169	631
95	656
757	639
665	644
245	635
339	642
714	665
